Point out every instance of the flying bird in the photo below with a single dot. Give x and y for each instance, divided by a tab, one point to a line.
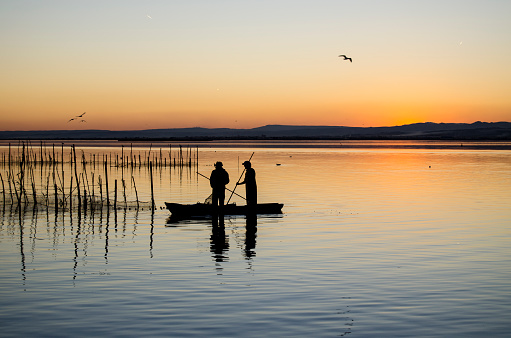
346	58
77	116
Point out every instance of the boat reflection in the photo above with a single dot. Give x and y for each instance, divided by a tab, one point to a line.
219	239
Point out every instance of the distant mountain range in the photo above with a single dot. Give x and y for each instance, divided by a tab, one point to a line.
418	131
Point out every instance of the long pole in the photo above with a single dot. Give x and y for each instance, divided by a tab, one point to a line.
239	179
225	188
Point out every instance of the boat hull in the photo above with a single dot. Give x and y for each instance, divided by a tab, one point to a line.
201	209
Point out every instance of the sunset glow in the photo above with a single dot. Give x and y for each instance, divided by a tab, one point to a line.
161	64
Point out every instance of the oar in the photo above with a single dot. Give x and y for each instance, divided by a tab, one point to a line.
225	187
239	179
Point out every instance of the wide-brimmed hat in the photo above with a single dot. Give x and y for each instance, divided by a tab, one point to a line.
247	162
219	164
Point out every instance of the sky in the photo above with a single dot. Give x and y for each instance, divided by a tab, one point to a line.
243	64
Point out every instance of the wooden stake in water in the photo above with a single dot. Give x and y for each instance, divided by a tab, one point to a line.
71	194
84	197
100	183
34	194
124	193
42	158
152	189
22	178
106	187
56	199
136	192
63	186
115	195
77	183
3	189
93	197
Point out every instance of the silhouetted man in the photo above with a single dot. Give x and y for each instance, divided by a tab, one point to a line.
218	179
250	183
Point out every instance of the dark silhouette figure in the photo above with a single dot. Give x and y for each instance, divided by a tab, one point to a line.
250	184
218	179
345	57
219	241
250	236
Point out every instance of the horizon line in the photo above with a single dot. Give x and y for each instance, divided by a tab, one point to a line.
266	125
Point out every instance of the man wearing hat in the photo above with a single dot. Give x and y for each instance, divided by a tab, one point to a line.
218	180
250	183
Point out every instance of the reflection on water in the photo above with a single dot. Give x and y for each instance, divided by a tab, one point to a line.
371	243
219	240
250	237
67	229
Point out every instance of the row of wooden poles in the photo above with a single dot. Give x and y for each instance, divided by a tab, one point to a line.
19	187
43	154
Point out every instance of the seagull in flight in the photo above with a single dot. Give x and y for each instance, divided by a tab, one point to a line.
345	57
77	116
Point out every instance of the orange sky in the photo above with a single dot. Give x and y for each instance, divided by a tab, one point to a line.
242	65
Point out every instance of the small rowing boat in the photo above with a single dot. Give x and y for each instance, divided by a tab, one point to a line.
203	209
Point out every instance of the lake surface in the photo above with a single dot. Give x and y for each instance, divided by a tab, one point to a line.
393	240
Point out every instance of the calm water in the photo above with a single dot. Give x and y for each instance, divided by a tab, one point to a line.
373	242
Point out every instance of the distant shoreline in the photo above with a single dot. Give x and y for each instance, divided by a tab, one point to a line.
460	132
282	144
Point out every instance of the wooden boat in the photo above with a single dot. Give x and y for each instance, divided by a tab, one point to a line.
202	209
